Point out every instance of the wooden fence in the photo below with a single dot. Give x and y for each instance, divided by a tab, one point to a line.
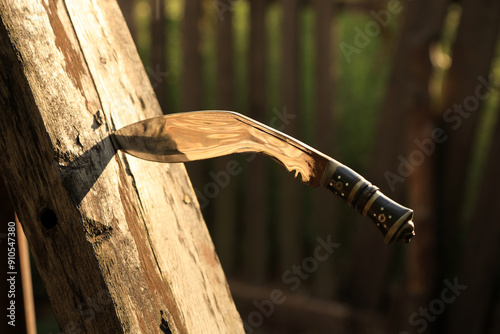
285	63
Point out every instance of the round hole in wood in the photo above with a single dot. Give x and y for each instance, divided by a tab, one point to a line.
48	218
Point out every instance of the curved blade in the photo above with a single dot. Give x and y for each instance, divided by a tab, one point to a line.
199	135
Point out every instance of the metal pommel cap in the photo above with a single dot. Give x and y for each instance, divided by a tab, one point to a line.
393	220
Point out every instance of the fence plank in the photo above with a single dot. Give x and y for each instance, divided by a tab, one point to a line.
256	210
225	206
325	216
192	80
479	26
289	206
119	242
480	270
158	70
407	93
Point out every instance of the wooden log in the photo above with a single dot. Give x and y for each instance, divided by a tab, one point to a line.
120	243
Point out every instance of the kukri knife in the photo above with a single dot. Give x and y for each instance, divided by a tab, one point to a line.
198	135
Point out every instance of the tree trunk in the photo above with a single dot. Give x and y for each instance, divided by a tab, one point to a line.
119	242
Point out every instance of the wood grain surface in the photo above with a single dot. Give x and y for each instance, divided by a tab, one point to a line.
120	243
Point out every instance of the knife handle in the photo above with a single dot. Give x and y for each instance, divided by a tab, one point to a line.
393	220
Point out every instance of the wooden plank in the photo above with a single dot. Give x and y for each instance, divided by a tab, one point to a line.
119	242
256	205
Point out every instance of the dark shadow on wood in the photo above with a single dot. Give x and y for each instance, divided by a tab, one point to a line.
94	160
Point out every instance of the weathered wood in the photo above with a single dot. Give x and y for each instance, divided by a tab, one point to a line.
127	7
119	242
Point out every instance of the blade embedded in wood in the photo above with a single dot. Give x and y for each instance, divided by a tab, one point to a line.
199	135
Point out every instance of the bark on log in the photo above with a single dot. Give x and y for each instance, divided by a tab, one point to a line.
119	242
